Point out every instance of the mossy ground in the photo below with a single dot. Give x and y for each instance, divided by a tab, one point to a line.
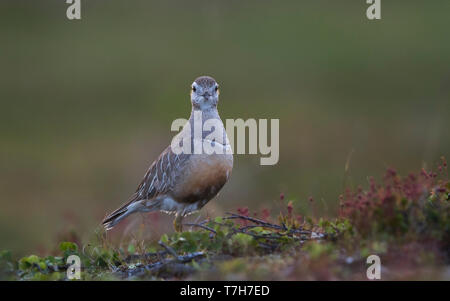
403	220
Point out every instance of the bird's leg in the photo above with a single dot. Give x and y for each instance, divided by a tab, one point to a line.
178	222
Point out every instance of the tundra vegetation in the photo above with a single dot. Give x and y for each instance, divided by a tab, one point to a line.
405	220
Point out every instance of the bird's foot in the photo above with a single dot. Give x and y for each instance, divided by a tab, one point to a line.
177	223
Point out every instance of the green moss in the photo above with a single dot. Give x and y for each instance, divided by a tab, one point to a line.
413	230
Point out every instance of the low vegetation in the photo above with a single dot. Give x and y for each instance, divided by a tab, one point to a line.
405	220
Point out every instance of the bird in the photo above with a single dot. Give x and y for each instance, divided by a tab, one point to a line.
182	183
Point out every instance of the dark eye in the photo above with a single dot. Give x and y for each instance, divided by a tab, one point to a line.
216	88
194	89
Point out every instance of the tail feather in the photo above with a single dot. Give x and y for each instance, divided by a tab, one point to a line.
112	220
120	213
133	205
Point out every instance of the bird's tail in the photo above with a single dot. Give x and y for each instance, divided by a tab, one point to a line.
133	205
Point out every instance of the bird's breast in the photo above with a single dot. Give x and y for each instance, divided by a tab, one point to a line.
204	176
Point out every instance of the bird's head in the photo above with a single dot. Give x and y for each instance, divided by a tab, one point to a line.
204	93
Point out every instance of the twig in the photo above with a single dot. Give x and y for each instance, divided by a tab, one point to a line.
145	255
266	224
252	219
201	226
189	257
168	249
181	258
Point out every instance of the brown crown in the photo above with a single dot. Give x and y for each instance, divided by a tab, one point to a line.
205	81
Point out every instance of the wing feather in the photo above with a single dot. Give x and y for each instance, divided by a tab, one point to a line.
161	175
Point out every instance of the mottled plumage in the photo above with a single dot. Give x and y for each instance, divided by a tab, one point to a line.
183	183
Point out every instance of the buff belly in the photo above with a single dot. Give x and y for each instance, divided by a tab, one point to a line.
207	175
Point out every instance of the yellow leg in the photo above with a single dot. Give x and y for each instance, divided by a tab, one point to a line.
178	223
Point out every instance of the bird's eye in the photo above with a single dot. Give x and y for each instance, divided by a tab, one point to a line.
194	89
216	88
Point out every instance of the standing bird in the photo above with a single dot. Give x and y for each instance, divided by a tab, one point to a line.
182	183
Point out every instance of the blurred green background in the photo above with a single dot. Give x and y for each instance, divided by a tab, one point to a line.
87	105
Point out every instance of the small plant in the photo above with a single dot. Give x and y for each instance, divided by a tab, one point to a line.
403	219
415	207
